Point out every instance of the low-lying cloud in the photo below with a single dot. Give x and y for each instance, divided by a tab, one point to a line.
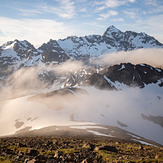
103	107
99	107
152	56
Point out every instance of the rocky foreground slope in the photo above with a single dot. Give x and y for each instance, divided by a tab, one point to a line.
76	149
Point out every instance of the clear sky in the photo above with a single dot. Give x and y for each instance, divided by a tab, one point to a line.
38	21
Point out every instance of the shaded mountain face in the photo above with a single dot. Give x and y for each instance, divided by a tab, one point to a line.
113	77
132	75
52	52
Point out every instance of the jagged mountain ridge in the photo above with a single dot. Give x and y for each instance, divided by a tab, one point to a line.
16	54
82	47
95	45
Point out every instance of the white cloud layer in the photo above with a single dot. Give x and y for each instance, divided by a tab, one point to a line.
36	31
152	56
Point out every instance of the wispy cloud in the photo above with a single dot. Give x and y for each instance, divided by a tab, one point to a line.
66	9
155	21
95	24
29	12
108	14
156	10
37	31
151	2
155	26
112	3
83	9
132	1
152	25
131	14
118	20
100	8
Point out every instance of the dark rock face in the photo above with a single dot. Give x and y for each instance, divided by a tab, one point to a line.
99	81
127	73
53	52
50	56
23	47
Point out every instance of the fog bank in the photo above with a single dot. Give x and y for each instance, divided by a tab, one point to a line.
153	57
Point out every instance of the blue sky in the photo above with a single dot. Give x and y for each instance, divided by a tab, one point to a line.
38	21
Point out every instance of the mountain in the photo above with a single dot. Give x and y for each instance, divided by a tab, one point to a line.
73	47
16	54
95	45
128	74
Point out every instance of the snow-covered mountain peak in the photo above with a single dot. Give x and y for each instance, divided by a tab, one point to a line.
111	30
16	44
15	54
8	44
112	40
23	53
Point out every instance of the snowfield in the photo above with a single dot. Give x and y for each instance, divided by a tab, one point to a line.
95	108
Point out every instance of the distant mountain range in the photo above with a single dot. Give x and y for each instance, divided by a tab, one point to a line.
22	53
16	54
